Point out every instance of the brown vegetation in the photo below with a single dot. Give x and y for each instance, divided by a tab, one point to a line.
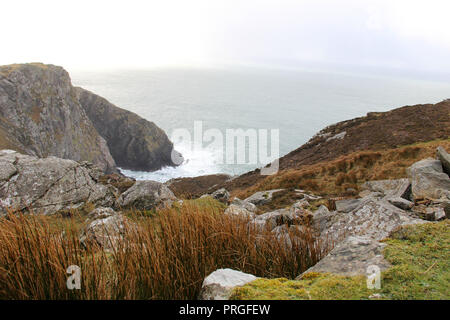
189	188
340	176
164	257
375	132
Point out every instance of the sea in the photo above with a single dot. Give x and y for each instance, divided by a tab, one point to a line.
296	103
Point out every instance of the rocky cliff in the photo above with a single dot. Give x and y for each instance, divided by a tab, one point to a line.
135	143
42	114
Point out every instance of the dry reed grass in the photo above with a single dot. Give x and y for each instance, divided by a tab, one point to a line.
166	256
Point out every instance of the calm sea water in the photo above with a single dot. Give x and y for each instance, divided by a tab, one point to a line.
298	103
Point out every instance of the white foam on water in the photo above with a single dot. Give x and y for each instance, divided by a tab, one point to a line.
196	163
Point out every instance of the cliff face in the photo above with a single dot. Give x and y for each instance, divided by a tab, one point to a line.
135	143
40	115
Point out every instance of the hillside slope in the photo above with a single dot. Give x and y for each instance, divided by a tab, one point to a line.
359	141
376	131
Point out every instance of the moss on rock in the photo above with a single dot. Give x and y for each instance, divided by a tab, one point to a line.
420	255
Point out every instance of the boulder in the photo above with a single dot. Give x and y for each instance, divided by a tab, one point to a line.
246	205
101	213
105	232
222	195
375	219
146	195
440	214
240	211
321	210
347	205
393	188
352	257
219	284
259	225
430	213
48	185
444	157
322	218
280	230
262	197
428	180
401	203
282	234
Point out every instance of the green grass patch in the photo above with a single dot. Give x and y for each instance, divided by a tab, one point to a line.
206	203
420	258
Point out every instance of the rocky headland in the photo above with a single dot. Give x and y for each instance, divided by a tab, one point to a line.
42	115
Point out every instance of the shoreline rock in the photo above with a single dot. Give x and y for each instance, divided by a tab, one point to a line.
135	143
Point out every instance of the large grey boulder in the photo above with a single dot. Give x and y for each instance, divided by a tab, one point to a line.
241	208
246	205
322	218
50	184
146	195
352	257
401	203
219	284
444	157
376	219
356	235
428	180
262	197
347	205
392	188
41	116
106	232
101	213
134	142
239	211
221	195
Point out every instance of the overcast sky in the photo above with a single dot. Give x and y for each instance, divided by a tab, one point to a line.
401	34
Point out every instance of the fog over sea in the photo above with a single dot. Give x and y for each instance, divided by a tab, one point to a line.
298	103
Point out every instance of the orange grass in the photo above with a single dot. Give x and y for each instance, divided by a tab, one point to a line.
166	256
334	178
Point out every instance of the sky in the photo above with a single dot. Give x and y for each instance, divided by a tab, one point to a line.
380	34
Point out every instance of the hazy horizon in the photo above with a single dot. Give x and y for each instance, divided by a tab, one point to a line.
402	37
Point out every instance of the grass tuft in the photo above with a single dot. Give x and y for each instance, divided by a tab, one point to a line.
165	255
